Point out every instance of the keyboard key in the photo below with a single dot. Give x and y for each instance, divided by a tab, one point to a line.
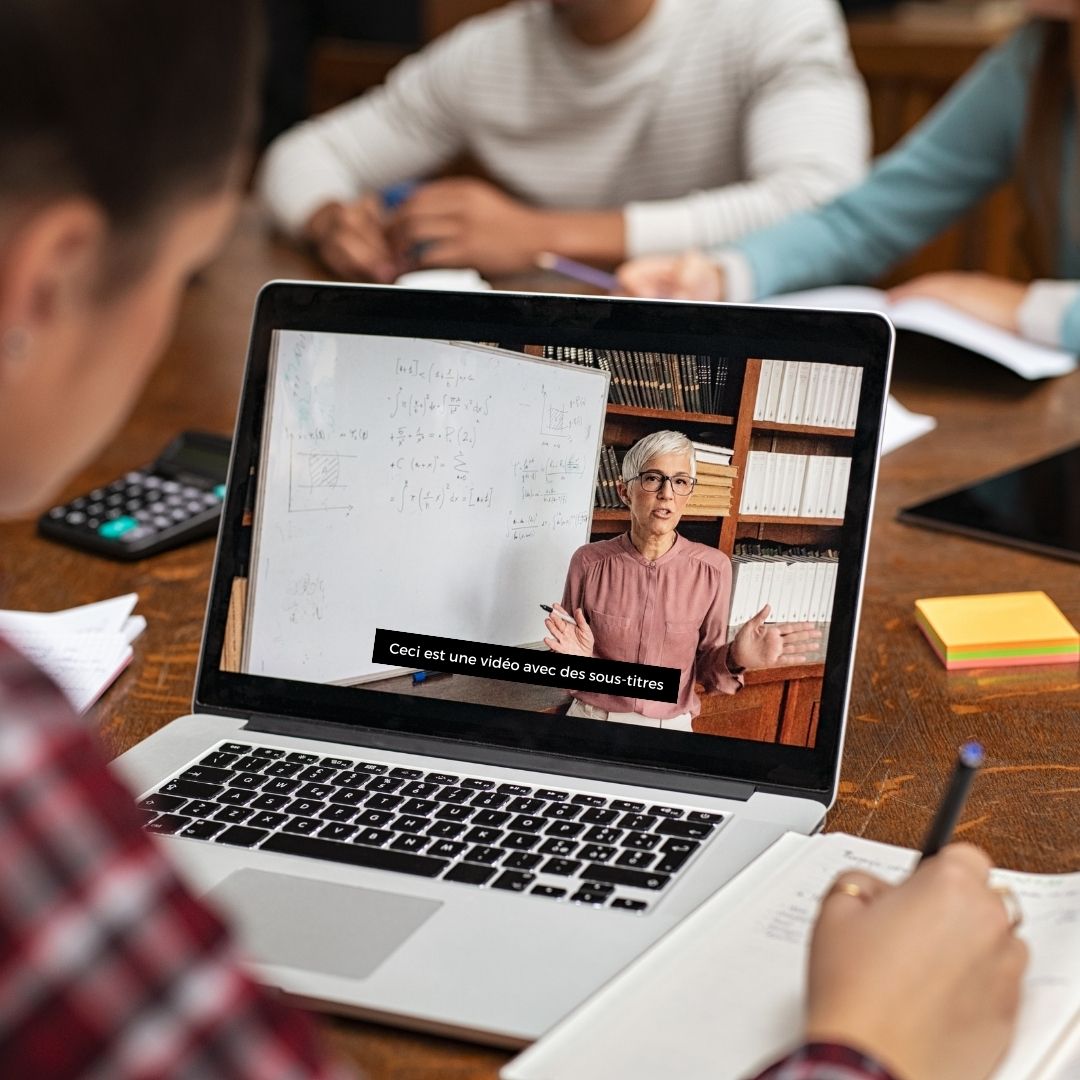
269	802
520	841
561	867
641	841
336	830
470	873
667	811
589	800
409	823
161	802
242	836
280	785
384	802
199	808
442	778
477	785
189	789
369	767
636	860
484	836
514	880
486	855
562	848
489	800
375	818
233	814
266	820
522	805
550	795
590	894
448	830
626	904
337	763
403	862
337	812
597	835
521	860
597	852
385	784
203	830
314	791
407	774
267	752
236	797
452	812
168	823
454	794
547	890
526	823
235	748
566	829
347	797
304	807
618	875
637	821
419	790
218	760
626	807
446	849
318	774
686	830
374	837
251	763
494	819
563	811
303	826
283	768
410	842
423	807
514	789
351	780
599	816
302	759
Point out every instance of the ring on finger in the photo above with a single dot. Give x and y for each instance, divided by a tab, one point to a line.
850	888
1012	905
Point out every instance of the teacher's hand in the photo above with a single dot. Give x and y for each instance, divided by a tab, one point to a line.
995	300
758	645
571	638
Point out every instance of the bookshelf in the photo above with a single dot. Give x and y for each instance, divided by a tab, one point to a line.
778	704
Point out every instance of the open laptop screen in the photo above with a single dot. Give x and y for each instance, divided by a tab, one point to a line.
417	477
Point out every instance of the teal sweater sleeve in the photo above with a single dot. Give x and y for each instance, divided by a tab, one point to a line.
960	151
1070	327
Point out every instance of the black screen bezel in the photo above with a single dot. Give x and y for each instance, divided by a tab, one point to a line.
862	339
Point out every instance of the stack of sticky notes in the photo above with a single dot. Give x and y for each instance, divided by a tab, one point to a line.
997	630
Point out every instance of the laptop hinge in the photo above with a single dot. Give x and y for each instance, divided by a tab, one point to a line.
532	761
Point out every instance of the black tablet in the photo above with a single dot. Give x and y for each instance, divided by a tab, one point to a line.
1034	506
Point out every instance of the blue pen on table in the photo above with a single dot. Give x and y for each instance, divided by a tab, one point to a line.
968	760
426	676
558	614
571	268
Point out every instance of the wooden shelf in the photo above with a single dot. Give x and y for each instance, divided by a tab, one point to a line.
804	429
679	415
765	519
601	513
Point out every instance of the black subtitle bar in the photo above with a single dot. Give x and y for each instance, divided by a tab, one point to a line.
536	666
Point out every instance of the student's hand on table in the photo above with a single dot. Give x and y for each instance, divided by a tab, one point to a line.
690	276
350	238
464	221
759	644
995	300
571	639
925	975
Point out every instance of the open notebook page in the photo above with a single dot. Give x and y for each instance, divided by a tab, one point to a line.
722	995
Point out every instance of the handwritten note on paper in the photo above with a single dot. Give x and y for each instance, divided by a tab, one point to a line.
83	649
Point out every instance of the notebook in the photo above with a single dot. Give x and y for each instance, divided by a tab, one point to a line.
381	777
723	995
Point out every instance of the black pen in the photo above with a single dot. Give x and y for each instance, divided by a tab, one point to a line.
968	761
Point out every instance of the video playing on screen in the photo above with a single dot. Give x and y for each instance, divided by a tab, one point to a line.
618	537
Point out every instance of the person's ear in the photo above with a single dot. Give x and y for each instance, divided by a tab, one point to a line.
49	266
623	491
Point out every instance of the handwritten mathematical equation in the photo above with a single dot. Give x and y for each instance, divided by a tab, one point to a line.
452	435
430	371
521	526
413	497
406	405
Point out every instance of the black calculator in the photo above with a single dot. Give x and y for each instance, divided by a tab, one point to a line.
160	506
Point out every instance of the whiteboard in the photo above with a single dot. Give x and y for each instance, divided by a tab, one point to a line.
432	487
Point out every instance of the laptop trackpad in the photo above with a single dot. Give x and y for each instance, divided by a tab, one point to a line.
319	925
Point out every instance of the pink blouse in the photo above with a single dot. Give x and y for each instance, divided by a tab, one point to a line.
672	612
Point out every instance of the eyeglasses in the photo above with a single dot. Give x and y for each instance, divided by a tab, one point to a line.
654	481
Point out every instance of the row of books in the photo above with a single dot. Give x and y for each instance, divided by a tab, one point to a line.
795	485
812	395
610	469
797	583
674	381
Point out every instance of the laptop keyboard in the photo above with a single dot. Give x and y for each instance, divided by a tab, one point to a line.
545	842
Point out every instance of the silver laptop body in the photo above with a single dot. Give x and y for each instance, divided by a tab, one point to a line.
334	391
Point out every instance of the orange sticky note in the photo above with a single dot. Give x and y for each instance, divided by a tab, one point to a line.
997	629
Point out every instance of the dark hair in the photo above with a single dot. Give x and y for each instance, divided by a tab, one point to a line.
137	104
1039	168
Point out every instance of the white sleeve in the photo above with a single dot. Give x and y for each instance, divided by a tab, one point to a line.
1042	311
403	129
805	138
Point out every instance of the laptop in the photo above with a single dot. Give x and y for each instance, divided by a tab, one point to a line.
379	778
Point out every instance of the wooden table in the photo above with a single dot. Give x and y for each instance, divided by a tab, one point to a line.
907	714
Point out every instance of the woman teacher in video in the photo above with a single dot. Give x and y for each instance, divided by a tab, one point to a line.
651	596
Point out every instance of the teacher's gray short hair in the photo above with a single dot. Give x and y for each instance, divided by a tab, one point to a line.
659	442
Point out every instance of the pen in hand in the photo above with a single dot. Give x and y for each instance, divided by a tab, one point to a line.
968	760
558	614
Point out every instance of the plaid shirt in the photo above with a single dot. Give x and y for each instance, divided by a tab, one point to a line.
826	1061
109	967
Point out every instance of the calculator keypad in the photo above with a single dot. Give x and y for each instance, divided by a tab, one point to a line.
141	507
